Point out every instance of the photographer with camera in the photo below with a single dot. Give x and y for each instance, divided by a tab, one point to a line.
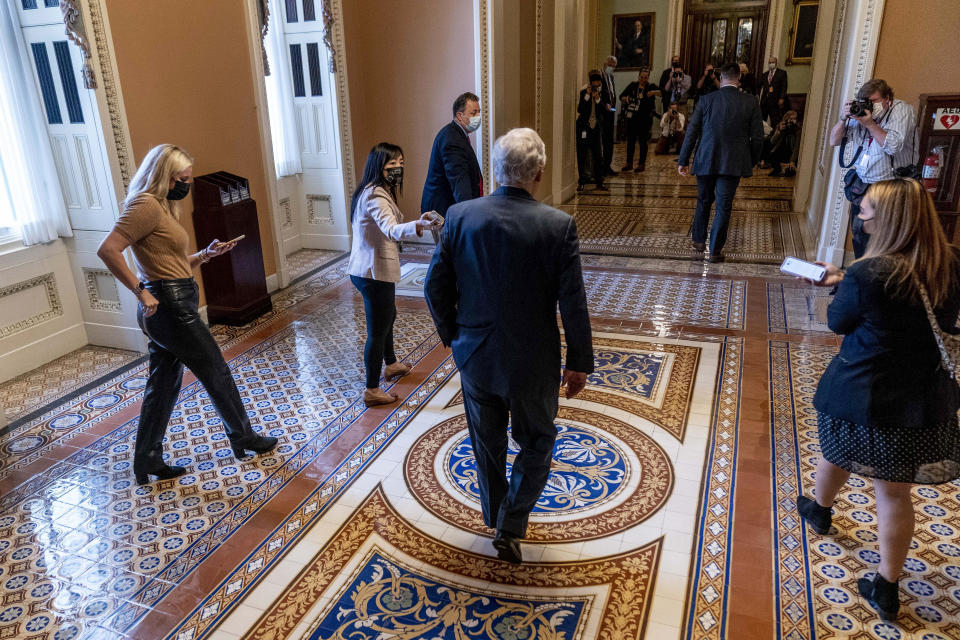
592	108
708	82
783	146
883	130
677	86
639	103
672	125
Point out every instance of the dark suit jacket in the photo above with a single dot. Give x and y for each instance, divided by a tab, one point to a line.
583	110
502	266
454	174
888	370
779	85
727	125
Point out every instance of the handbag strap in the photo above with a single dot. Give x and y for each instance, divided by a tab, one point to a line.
935	327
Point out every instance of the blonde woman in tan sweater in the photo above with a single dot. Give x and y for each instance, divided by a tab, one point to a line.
167	314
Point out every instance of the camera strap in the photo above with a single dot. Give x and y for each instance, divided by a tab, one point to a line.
843	152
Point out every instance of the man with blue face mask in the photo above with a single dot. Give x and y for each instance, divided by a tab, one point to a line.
454	174
883	141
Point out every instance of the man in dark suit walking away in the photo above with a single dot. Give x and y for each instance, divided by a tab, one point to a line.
773	92
727	125
502	266
454	174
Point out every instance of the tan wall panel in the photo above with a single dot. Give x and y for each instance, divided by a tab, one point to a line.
918	43
186	78
407	62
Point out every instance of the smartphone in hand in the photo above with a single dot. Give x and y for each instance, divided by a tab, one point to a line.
803	269
237	239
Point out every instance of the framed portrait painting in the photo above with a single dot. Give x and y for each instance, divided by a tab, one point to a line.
804	31
633	40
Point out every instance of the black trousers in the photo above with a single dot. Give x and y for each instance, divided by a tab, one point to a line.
712	188
177	337
638	133
379	307
860	236
606	141
770	108
590	167
507	503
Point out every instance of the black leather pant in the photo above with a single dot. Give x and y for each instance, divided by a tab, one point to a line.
178	337
380	309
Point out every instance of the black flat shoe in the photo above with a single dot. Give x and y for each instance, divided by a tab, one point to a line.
257	444
813	514
163	473
508	548
882	595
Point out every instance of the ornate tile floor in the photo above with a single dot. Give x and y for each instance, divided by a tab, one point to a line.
306	261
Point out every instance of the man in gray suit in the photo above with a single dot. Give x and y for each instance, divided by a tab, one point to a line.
502	266
729	130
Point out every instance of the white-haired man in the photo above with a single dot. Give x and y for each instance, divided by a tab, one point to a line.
501	267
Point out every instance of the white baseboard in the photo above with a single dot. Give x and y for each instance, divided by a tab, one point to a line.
37	353
322	241
107	335
272	283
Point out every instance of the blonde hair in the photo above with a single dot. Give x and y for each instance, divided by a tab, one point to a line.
907	230
161	164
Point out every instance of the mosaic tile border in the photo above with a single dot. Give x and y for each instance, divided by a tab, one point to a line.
779	312
212	609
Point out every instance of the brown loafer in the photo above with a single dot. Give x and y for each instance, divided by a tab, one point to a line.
700	246
374	397
396	371
715	257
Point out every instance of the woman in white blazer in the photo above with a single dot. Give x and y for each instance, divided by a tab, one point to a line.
374	265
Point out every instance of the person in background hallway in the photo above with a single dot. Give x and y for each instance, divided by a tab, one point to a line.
885	140
500	317
167	311
671	130
748	84
773	92
374	265
664	76
591	112
677	88
887	405
708	83
610	117
638	103
727	132
782	147
454	174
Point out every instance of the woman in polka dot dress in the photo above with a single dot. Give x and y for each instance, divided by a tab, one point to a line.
886	405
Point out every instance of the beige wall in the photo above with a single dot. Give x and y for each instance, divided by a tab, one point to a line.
407	62
917	50
186	78
798	75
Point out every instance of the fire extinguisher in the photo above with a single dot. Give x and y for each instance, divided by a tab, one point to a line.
931	169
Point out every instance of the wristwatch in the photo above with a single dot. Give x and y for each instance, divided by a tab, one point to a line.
141	287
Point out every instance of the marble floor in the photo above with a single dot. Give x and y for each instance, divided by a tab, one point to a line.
668	514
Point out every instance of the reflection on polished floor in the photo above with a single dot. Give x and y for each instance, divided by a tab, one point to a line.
668	513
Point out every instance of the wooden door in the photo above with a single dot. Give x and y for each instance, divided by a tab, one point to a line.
717	32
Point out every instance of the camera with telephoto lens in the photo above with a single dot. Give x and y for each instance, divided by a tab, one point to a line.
859	108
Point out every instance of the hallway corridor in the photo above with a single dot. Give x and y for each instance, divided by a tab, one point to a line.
669	512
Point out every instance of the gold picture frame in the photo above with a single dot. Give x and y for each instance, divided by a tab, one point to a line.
632	55
803	32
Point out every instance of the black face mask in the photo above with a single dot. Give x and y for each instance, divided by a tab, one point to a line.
394	176
179	191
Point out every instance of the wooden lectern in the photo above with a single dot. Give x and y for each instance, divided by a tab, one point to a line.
235	283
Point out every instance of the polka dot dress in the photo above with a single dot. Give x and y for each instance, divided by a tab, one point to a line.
922	455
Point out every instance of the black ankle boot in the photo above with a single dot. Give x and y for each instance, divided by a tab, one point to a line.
255	443
163	473
817	517
882	595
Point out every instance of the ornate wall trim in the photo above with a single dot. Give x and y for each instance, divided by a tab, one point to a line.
49	283
319	209
111	94
263	13
328	33
483	37
77	31
286	213
338	58
538	124
674	30
95	297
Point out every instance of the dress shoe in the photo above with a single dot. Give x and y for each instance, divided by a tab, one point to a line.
611	172
374	397
602	187
813	514
626	169
775	173
715	258
700	246
641	168
255	443
163	473
508	548
789	173
882	595
396	371
579	187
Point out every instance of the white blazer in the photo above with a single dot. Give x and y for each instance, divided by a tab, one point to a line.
377	227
